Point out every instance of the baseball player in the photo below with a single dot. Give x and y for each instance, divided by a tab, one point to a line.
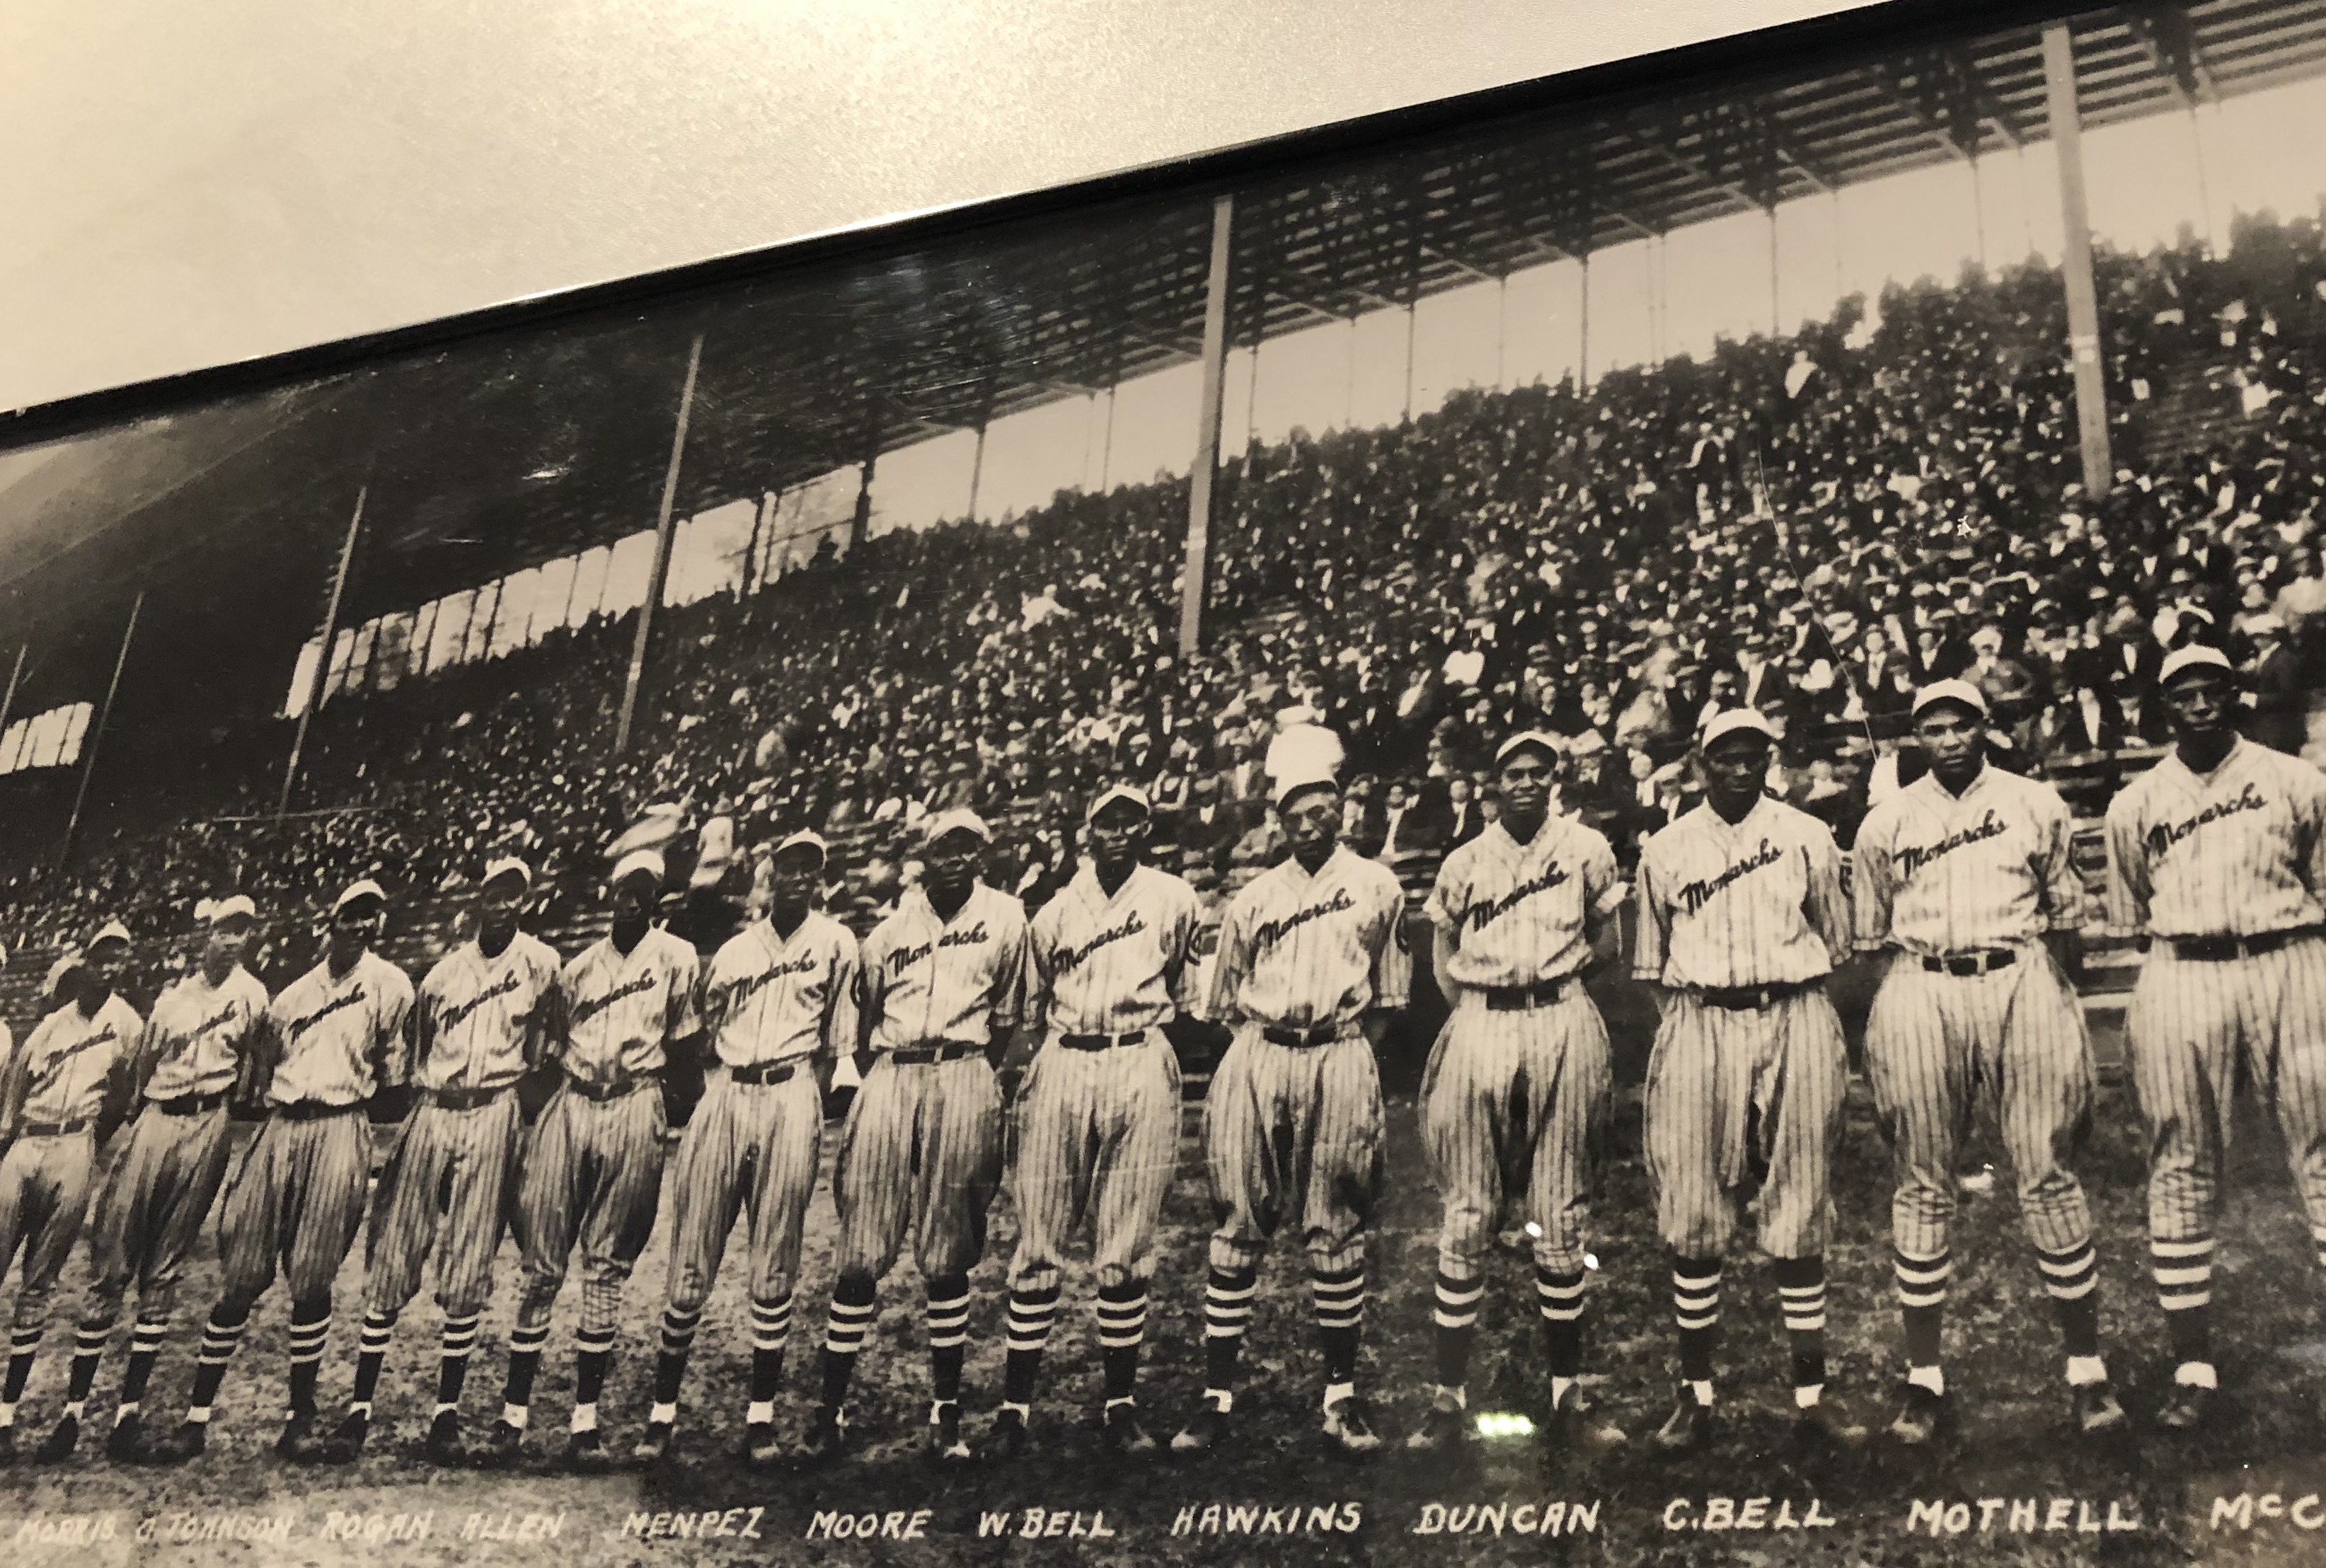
1312	962
479	1024
191	1055
64	1090
330	1042
920	1154
1741	912
1516	1092
778	1007
1965	878
593	1175
2217	856
1096	1122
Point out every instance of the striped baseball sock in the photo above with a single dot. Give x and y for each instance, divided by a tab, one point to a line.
2184	1289
1031	1313
844	1328
2071	1279
21	1346
1339	1296
1456	1317
1695	1308
593	1353
525	1345
146	1341
310	1327
678	1328
89	1351
1227	1307
948	1319
1559	1299
371	1355
1922	1309
771	1327
1122	1327
220	1336
1801	1288
452	1362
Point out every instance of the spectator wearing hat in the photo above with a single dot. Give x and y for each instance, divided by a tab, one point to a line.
2276	696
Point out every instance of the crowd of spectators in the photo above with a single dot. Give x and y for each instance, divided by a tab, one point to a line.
1813	526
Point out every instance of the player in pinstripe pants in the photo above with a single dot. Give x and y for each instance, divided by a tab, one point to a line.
2217	855
920	1154
194	1051
592	1172
1966	877
1096	1123
1312	961
778	1003
1741	912
1516	1091
330	1042
478	1026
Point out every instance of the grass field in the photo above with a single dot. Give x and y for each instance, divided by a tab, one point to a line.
2013	1445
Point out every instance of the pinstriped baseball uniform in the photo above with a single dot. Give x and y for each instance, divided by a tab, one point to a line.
921	1149
1296	1131
1098	1131
767	1001
1991	870
69	1071
1732	1090
480	1023
159	1189
2238	853
1519	1097
592	1169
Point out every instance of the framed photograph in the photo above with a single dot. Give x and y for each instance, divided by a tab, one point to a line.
1585	825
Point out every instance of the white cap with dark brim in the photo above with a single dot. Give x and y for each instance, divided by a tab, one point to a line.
649	862
1121	792
1730	720
1550	745
1293	785
1961	691
960	819
507	866
805	839
2195	656
366	889
111	930
211	911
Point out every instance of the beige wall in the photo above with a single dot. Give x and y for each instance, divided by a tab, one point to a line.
188	185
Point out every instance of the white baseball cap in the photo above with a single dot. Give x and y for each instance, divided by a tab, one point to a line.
1299	781
649	862
366	889
804	839
507	866
1729	720
111	930
1120	791
1549	745
211	911
961	818
1961	691
2195	656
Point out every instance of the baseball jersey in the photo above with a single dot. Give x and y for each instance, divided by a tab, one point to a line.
1301	951
622	1009
330	1032
1108	966
1756	904
1517	911
955	981
197	1038
1935	872
71	1058
2236	852
481	1022
768	1000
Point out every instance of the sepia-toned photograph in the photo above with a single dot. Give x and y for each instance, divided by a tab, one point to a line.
1596	832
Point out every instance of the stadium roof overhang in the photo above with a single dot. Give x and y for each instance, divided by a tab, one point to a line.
510	448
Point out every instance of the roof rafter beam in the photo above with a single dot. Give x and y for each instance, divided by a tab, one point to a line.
1648	137
1459	265
2169	37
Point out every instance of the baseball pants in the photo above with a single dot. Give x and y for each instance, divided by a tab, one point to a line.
749	1147
1291	1130
296	1202
451	1174
1937	1046
1095	1133
1516	1102
44	1184
2189	1024
920	1155
591	1177
150	1209
1734	1094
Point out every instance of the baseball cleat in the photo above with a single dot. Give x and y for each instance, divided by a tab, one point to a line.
585	1454
654	1444
7	1445
1206	1429
444	1444
297	1444
1920	1414
1817	1432
1688	1428
946	1444
827	1437
347	1440
761	1449
1445	1428
58	1446
1579	1422
2099	1412
1007	1438
1126	1434
126	1443
504	1446
186	1443
2186	1407
1349	1425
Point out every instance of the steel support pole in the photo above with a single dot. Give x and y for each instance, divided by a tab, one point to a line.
2076	258
1106	447
323	653
1501	328
1202	475
976	473
1412	311
1583	327
660	575
95	739
1776	311
8	702
859	526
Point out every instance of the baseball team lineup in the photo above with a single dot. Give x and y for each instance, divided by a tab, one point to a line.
526	1096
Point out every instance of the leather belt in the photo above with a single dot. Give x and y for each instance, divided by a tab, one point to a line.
464	1099
1967	965
764	1072
192	1104
2216	949
599	1093
1526	999
1301	1039
54	1129
1753	999
313	1109
1101	1041
922	1055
